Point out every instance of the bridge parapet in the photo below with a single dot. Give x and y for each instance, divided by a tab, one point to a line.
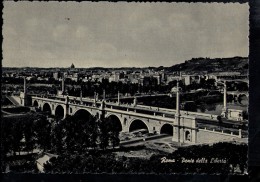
237	134
48	99
138	108
164	111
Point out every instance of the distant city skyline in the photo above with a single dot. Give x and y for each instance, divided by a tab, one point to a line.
57	34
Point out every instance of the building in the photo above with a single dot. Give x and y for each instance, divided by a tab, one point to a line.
158	78
189	79
56	75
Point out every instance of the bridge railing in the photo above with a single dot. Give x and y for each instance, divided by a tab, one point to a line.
223	132
42	97
163	111
151	110
204	115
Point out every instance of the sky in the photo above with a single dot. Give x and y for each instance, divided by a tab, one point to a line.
103	34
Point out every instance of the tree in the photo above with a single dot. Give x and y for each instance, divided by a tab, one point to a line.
78	133
104	137
42	129
210	84
57	144
17	136
112	131
29	135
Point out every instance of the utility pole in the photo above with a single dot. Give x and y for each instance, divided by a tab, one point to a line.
80	96
95	99
62	86
177	114
224	111
24	94
176	132
24	86
118	97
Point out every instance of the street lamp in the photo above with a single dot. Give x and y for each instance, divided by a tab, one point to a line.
118	98
24	86
177	90
224	109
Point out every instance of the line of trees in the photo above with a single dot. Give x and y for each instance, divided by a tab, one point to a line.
80	133
23	133
77	134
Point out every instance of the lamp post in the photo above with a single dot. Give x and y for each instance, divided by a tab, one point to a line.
95	99
24	86
118	97
225	97
62	86
177	90
224	109
81	97
177	114
24	94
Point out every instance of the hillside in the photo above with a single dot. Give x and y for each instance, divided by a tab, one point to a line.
236	64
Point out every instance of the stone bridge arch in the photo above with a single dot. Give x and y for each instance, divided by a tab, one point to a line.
82	111
46	108
167	129
116	122
36	104
137	123
77	111
124	120
59	112
187	136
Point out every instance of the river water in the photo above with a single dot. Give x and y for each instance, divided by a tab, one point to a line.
216	108
213	107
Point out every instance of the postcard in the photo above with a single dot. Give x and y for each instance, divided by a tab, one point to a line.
125	88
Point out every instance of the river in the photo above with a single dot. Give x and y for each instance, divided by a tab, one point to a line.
216	108
212	107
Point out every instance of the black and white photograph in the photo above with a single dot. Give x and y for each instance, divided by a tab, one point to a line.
125	88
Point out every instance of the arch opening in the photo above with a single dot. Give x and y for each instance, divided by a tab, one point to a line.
59	112
47	108
187	136
113	123
83	114
35	104
167	129
138	125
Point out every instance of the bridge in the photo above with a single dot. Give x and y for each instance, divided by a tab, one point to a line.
127	116
182	125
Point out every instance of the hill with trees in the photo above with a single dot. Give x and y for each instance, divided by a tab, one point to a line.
235	64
